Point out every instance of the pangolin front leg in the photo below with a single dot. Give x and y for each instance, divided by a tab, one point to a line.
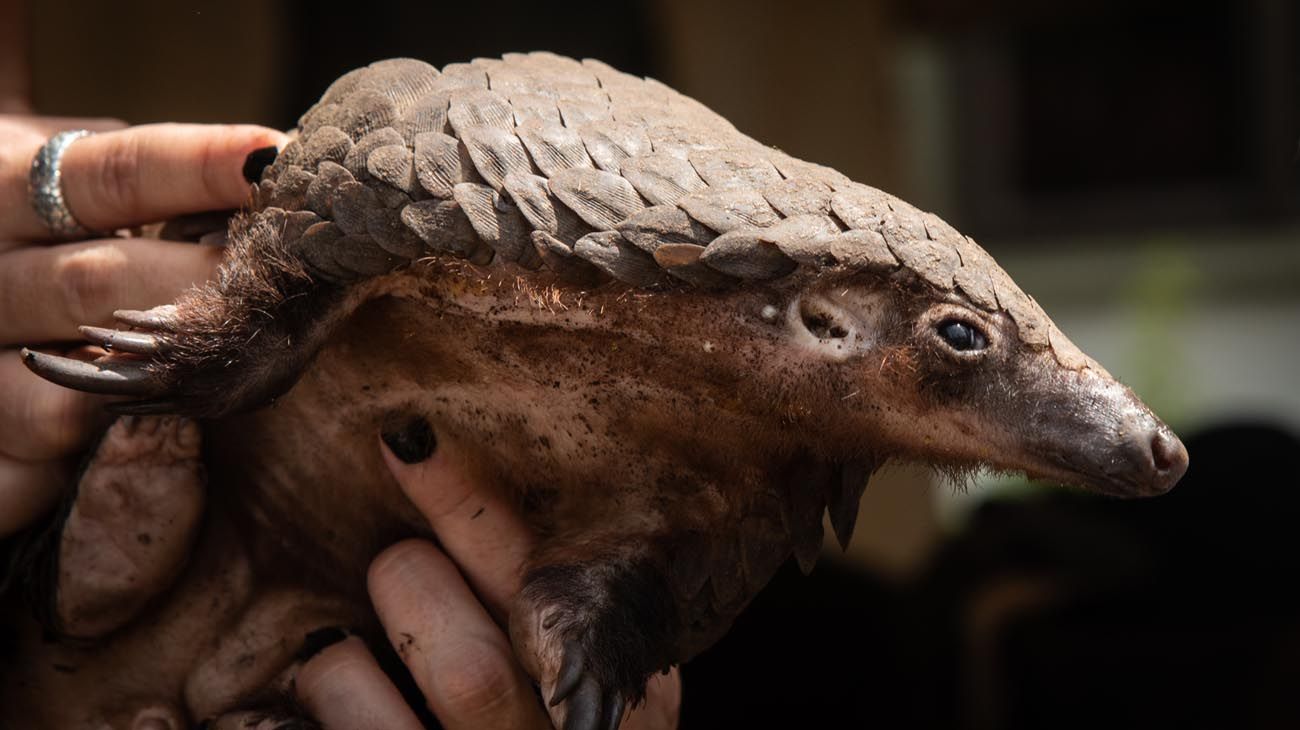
213	352
602	612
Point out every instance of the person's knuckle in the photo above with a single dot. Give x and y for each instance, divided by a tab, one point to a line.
475	681
212	176
116	177
91	281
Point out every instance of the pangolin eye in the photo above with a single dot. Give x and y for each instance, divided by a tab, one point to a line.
961	336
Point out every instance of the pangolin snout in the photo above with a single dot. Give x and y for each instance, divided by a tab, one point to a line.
1149	461
1104	438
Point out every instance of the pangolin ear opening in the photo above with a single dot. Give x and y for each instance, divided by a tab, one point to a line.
820	323
822	319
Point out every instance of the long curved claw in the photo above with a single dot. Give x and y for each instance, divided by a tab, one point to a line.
585	706
158	318
147	407
589	705
614	711
106	378
570	672
138	343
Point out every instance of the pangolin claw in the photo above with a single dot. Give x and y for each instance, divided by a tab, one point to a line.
158	318
570	672
147	407
584	708
589	705
106	378
138	343
614	711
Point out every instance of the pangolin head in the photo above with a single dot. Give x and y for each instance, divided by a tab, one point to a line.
912	362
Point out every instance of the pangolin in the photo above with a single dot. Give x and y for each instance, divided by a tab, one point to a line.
677	348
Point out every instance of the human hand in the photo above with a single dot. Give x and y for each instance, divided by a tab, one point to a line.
443	609
122	177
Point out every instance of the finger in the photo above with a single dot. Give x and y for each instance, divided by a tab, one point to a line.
343	688
157	171
40	420
475	523
22	136
27	491
46	292
459	658
140	175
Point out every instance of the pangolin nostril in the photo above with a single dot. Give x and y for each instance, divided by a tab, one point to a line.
1169	456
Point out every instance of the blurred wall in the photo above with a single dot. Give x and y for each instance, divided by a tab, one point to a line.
812	78
153	60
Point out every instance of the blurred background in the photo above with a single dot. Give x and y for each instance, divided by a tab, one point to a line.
1132	164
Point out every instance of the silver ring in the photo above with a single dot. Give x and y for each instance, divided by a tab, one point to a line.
45	186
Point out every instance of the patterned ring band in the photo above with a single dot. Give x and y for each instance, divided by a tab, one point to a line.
45	186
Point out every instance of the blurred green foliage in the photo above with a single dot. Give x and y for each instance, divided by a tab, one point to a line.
1158	294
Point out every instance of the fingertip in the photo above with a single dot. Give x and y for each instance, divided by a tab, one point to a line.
407	438
234	151
336	656
409	476
320	640
257	161
344	687
249	137
399	560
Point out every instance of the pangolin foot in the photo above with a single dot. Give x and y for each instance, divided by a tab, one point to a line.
593	634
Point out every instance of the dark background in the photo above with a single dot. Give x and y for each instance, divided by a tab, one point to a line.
1132	164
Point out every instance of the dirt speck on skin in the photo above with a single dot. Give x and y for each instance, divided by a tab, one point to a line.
404	646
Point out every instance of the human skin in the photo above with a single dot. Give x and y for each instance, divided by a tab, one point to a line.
429	602
120	178
450	600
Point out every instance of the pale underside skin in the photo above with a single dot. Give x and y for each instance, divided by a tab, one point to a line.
674	347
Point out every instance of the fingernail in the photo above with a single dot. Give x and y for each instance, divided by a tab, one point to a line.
410	438
318	640
257	161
